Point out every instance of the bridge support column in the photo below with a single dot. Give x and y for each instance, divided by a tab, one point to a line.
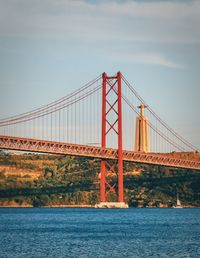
111	102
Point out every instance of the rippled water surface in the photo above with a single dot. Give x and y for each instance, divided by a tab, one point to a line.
92	233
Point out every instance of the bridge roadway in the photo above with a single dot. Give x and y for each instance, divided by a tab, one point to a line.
42	146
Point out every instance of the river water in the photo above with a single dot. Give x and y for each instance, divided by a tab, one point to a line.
80	232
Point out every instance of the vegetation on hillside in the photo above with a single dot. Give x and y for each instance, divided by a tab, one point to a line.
49	180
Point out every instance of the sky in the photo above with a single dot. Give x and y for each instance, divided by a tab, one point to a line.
49	48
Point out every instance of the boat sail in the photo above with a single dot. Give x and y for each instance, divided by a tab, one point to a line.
178	203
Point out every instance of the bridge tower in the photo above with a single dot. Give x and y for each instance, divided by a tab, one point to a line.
111	107
142	132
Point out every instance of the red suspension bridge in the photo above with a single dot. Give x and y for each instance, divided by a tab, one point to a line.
98	120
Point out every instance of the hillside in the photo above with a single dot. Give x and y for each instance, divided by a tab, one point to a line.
49	180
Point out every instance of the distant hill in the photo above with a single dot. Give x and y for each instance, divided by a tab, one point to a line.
50	180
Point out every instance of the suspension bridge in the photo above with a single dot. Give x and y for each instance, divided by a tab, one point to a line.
105	119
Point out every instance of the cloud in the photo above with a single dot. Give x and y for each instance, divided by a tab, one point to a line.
103	25
145	58
154	59
156	21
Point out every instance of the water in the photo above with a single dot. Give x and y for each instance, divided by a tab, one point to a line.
99	233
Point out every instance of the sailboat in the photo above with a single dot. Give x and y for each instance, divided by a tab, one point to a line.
178	203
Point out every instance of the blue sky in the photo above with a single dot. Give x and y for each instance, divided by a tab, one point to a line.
49	48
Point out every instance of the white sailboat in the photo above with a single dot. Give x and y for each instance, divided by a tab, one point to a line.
178	203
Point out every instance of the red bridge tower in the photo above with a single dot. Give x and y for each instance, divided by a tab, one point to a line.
111	106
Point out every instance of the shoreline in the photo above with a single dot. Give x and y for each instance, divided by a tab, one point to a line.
50	206
87	206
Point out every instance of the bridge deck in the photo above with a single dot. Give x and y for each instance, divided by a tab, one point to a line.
32	145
